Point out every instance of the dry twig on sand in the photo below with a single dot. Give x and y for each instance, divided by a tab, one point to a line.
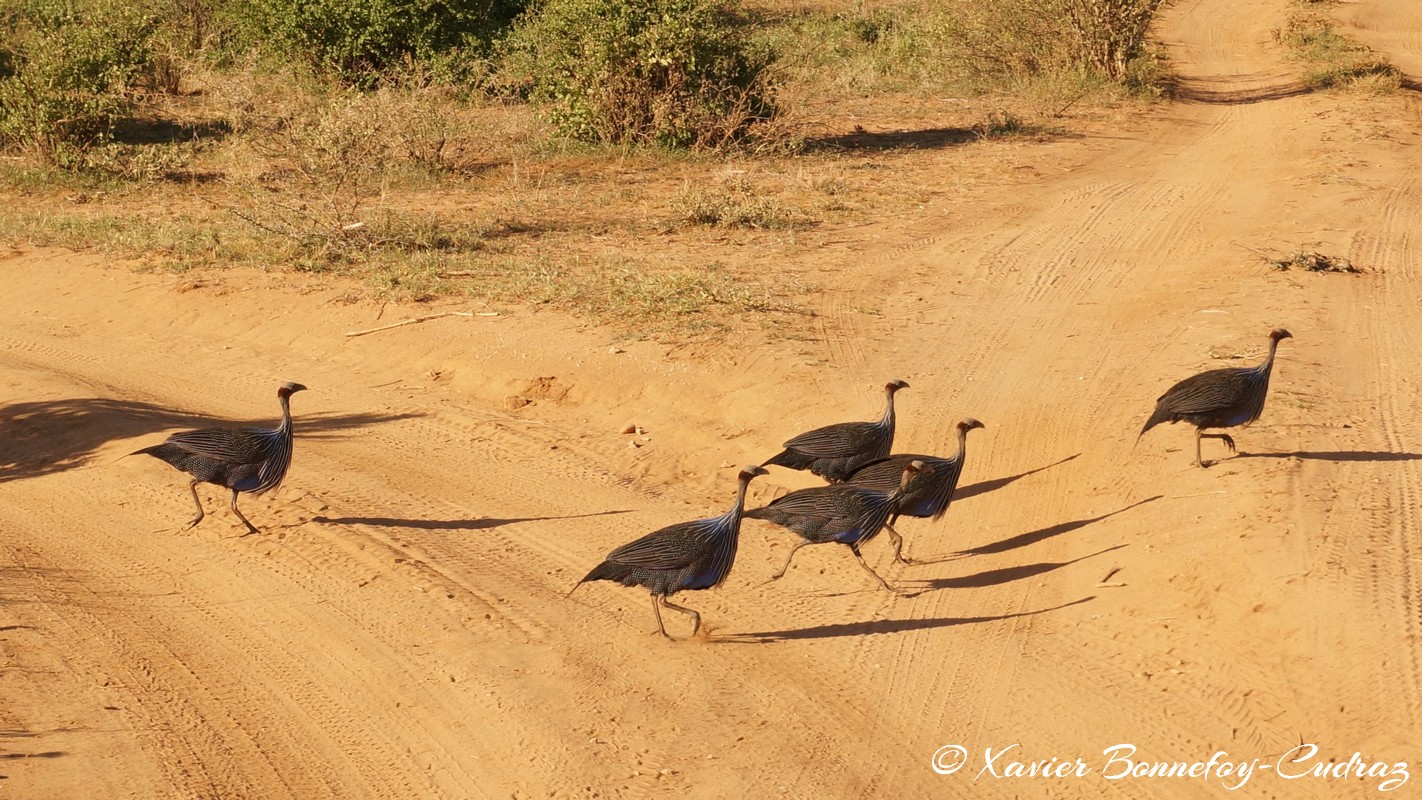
425	318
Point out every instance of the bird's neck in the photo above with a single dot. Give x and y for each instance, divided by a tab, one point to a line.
1269	361
903	484
888	419
285	426
962	442
739	508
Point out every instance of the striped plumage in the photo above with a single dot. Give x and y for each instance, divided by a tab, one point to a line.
849	515
685	556
834	451
1219	398
251	460
927	495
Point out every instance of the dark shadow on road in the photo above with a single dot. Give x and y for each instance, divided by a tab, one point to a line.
995	577
1041	534
449	524
983	487
860	139
1339	455
1203	90
881	626
42	438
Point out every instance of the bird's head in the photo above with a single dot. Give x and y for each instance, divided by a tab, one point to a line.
895	385
289	388
968	424
751	472
916	468
1279	333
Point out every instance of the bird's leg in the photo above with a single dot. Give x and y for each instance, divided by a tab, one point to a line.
854	548
192	487
898	545
250	527
1224	437
1199	462
788	556
695	617
657	609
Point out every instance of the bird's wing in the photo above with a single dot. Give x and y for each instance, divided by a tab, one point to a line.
883	474
672	547
833	440
820	501
1206	392
224	444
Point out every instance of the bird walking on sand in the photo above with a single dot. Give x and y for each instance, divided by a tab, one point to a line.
252	460
1219	398
849	515
927	495
686	556
834	451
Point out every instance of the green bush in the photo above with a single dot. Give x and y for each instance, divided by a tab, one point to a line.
675	73
356	41
71	70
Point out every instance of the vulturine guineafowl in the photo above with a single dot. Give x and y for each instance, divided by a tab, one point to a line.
834	451
1219	398
681	557
849	515
251	460
927	495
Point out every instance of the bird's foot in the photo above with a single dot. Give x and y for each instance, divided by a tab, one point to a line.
1229	442
191	524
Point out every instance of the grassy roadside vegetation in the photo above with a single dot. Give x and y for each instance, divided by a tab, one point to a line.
1330	59
658	162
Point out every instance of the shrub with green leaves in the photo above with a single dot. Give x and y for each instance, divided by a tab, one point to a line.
675	73
71	69
356	41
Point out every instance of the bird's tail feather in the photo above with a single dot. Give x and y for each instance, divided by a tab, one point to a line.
606	571
1155	419
126	455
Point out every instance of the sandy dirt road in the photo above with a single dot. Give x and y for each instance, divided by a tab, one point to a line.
401	631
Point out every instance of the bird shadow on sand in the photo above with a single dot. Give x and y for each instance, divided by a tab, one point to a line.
42	438
1339	455
450	524
983	487
995	577
871	627
1032	537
